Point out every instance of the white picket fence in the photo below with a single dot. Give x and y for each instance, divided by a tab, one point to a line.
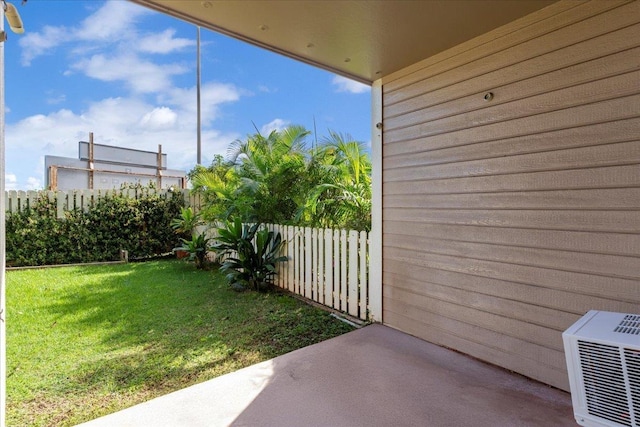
330	267
327	266
18	201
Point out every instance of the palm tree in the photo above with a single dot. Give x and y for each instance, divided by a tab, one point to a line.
277	179
342	198
271	172
218	184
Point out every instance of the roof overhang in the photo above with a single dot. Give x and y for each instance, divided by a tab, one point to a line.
362	40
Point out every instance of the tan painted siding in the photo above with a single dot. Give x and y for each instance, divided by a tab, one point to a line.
506	220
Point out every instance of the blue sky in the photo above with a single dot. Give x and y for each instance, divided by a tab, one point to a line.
128	75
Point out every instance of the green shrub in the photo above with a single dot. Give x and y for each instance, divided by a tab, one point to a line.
197	247
185	224
254	254
36	236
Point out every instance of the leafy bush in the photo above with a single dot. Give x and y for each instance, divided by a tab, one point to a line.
282	179
186	223
197	248
36	236
252	254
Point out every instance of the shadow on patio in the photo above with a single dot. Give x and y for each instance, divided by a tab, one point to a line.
375	376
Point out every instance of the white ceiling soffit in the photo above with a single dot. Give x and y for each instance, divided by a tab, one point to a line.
363	40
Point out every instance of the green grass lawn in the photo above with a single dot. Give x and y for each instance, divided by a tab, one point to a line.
83	342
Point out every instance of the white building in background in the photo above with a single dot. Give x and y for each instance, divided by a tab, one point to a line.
105	167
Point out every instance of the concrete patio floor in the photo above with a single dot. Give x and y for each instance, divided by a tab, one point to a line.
375	376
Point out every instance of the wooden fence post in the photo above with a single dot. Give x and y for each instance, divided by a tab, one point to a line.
342	265
61	202
299	261
291	255
364	282
91	164
352	302
328	267
307	263
314	264
159	166
53	178
320	271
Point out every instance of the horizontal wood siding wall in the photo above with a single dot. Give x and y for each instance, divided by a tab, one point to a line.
506	220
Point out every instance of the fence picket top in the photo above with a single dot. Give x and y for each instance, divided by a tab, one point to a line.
61	201
32	196
87	199
13	201
18	200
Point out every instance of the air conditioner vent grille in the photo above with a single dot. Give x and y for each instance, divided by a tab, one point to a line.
604	382
632	358
630	324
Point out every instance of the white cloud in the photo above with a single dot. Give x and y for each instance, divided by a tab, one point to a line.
266	89
33	183
113	21
124	122
159	119
41	123
211	96
114	118
10	181
344	84
275	124
55	98
139	75
163	42
108	46
112	25
34	44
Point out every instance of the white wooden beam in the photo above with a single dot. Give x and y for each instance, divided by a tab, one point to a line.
375	237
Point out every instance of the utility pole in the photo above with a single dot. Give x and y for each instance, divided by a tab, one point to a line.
199	151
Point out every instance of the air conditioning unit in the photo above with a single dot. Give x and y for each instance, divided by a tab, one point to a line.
603	359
